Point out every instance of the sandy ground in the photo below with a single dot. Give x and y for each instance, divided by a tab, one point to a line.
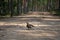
15	29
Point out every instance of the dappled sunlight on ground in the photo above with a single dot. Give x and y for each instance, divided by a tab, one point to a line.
29	34
15	32
37	33
15	29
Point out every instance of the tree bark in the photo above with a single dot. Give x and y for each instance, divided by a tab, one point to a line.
11	6
59	4
18	6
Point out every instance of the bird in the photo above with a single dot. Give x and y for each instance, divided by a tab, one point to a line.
29	26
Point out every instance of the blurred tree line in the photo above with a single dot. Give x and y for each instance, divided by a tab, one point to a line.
17	7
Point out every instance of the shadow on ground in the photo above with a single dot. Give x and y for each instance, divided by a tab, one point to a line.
17	32
15	29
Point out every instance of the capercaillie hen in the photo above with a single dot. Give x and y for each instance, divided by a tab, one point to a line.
29	26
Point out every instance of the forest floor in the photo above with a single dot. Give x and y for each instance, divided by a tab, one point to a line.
15	28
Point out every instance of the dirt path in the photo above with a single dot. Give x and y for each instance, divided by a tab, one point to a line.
15	29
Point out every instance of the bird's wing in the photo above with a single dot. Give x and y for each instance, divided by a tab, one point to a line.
31	25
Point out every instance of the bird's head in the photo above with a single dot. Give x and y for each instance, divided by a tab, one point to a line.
27	23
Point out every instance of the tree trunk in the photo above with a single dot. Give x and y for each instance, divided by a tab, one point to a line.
8	7
18	6
11	6
59	4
